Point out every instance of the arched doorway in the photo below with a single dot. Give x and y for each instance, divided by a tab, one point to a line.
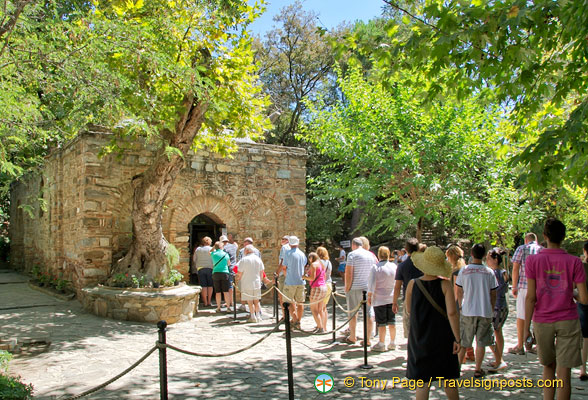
204	225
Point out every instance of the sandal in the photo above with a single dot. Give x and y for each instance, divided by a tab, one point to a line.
349	341
479	373
517	351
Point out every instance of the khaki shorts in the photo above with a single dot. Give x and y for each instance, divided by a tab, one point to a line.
329	291
354	297
281	280
294	292
559	341
521	303
478	327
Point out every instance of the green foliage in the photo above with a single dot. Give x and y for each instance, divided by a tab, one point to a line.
173	256
570	206
323	223
62	284
396	160
174	276
121	280
5	358
139	281
294	61
12	388
501	216
172	75
532	55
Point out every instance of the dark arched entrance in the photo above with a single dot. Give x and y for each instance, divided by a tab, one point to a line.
204	225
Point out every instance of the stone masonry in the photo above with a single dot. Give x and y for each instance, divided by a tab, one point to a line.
82	223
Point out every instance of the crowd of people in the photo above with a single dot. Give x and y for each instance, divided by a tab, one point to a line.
451	309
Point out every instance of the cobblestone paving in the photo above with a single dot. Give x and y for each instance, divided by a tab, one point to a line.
86	350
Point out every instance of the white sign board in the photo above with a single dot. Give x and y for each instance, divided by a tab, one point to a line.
345	243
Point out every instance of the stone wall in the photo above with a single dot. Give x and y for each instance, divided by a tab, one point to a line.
86	225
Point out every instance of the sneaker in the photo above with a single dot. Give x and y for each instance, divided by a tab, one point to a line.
391	346
500	367
259	316
379	347
252	318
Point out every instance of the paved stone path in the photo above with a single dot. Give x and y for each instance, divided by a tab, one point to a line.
86	350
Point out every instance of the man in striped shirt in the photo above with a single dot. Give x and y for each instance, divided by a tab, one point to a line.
519	285
357	271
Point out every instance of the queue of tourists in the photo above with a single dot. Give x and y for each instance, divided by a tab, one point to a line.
451	309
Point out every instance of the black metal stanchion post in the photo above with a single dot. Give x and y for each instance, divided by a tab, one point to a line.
234	298
366	335
289	351
276	298
334	313
162	361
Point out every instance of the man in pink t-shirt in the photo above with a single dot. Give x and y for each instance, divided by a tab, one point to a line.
551	277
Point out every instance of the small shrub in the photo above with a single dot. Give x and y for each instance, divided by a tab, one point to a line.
36	271
173	256
5	358
62	284
11	388
121	280
139	281
175	276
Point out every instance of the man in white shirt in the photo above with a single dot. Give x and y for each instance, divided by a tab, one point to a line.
476	293
250	276
359	265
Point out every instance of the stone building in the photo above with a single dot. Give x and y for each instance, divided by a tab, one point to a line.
82	223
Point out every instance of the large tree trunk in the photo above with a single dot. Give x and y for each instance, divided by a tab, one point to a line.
356	216
147	254
419	229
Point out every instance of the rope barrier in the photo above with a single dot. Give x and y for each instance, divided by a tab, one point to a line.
192	353
286	299
340	306
269	291
108	382
160	345
353	313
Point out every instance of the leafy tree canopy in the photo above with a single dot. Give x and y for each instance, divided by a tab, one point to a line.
295	61
533	55
398	161
128	65
178	73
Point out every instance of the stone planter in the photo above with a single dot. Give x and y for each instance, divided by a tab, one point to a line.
172	304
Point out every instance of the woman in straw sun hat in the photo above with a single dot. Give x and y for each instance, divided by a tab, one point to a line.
433	340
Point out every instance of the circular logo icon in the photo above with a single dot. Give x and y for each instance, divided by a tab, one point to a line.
324	383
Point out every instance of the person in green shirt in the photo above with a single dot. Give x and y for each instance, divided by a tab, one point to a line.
220	275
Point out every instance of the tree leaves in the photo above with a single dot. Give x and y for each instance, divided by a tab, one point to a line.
532	55
395	159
